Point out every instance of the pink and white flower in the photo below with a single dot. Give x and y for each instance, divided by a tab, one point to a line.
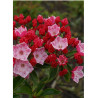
21	31
54	30
77	73
60	43
62	60
21	51
52	19
40	55
22	68
80	48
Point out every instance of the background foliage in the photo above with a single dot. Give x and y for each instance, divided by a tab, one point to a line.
74	11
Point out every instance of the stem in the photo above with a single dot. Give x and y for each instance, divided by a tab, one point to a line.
55	81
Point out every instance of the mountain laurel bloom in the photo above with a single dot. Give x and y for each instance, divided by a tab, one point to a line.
22	68
80	48
21	51
77	73
21	31
60	43
54	30
62	60
48	42
40	55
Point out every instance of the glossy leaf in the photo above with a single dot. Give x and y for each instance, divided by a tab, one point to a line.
52	73
23	90
50	91
17	81
67	77
71	53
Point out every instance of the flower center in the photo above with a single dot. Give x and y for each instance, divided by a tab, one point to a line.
22	65
60	46
54	33
21	52
62	61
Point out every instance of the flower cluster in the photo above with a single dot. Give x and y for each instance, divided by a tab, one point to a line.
48	41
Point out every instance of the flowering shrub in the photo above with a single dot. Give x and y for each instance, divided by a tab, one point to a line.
47	44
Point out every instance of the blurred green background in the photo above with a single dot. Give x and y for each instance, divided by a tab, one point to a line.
74	11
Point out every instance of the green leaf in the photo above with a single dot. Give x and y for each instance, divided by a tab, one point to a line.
23	90
67	77
34	78
17	81
37	32
41	84
52	73
71	53
50	91
69	67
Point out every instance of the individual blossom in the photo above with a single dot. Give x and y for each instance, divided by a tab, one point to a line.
52	18
40	55
54	30
16	18
22	68
21	16
60	43
64	21
28	18
62	60
21	31
34	22
21	21
21	51
40	18
77	73
63	72
80	48
57	19
62	29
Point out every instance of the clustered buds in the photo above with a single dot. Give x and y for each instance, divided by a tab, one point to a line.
48	41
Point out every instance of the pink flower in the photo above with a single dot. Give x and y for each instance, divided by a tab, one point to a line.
62	60
21	31
21	51
40	55
52	19
77	73
53	30
22	68
60	43
80	48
